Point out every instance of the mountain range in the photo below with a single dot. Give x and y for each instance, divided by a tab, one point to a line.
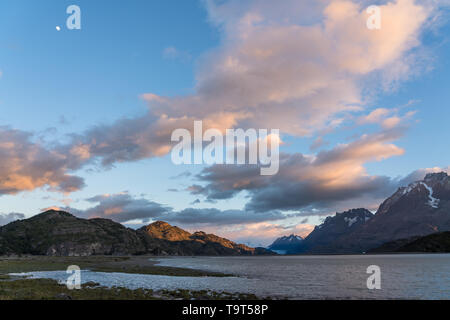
287	245
402	222
412	212
58	233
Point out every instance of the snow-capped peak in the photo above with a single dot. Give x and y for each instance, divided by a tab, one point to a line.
351	221
433	202
410	188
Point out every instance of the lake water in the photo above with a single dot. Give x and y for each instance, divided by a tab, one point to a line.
297	277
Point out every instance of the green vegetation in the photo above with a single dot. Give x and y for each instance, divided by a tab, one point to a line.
206	295
435	243
134	264
18	288
46	289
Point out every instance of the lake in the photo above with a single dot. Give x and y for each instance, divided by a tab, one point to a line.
297	277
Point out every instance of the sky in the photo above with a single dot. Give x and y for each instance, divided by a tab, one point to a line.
87	115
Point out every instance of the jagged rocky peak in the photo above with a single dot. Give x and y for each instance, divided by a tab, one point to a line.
287	240
163	230
429	191
52	214
200	234
348	218
431	180
287	244
161	225
292	237
437	177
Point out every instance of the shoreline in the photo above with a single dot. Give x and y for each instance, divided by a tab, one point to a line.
124	264
21	288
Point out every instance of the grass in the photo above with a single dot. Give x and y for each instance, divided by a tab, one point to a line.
47	289
12	288
140	265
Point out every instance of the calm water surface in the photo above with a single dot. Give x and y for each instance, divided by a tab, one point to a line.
297	277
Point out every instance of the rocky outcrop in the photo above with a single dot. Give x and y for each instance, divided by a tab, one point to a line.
163	230
58	233
177	241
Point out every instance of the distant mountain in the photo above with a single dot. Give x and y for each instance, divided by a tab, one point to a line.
420	209
433	243
287	245
58	233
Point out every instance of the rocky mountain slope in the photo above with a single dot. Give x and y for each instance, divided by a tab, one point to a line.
181	242
163	230
420	209
287	245
325	238
59	233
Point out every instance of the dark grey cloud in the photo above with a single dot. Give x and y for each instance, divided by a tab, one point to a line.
271	198
214	216
121	208
124	207
331	180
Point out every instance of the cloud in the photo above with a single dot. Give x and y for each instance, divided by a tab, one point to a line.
263	219
170	52
174	53
6	218
386	118
271	71
420	175
275	68
235	224
307	182
26	165
212	216
121	207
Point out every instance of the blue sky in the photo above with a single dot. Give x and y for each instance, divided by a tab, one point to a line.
57	84
71	80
